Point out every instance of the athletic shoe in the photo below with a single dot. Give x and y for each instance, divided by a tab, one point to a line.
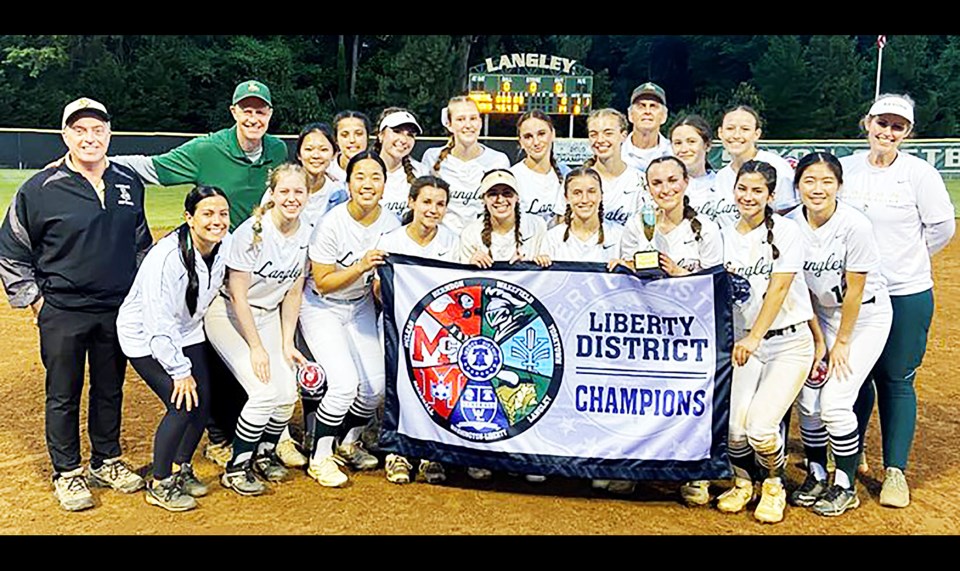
696	493
598	484
269	467
289	455
220	454
192	485
398	469
535	478
327	472
895	492
242	480
863	468
737	497
479	473
357	457
773	500
836	500
432	472
621	487
115	474
809	492
72	492
169	494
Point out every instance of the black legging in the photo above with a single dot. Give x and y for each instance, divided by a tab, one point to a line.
179	432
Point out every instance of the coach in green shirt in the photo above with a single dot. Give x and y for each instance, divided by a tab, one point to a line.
237	159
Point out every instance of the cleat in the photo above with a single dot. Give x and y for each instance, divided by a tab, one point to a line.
269	467
895	492
117	475
696	493
242	480
479	473
737	497
398	469
358	458
773	500
621	487
809	492
72	492
432	472
169	494
220	454
836	501
192	485
288	454
327	472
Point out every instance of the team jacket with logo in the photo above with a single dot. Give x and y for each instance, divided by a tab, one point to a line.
58	241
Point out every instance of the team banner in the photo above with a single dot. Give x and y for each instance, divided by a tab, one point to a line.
570	370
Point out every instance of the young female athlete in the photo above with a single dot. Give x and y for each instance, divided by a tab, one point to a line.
624	187
352	129
583	236
739	132
395	139
462	162
160	328
691	138
774	350
907	202
850	300
421	235
539	175
341	326
252	327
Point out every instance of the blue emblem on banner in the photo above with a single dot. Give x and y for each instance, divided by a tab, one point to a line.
480	359
478	405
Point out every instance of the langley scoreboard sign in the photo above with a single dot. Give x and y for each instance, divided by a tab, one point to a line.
517	83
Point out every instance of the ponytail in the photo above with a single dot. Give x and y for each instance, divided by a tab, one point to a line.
567	219
690	214
443	155
487	228
189	258
768	222
516	227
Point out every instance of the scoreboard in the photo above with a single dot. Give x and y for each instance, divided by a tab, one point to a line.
516	93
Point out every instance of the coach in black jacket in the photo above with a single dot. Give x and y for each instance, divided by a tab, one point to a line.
69	248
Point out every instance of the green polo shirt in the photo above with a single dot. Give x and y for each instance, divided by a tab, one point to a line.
217	160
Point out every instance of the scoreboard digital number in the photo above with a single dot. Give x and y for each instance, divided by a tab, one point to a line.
514	93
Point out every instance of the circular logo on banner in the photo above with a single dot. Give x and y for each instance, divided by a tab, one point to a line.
484	356
311	378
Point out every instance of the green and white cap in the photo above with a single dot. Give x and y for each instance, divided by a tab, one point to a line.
649	88
252	88
83	104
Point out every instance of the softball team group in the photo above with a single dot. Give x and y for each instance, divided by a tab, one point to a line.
836	254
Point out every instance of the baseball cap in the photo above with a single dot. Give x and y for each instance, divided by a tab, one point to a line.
83	104
649	88
252	88
398	118
496	178
894	105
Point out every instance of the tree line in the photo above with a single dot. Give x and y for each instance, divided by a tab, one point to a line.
804	86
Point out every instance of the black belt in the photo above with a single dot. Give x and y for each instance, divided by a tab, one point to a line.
227	297
784	331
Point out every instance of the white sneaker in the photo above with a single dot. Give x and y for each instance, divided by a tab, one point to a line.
398	469
895	492
327	472
598	484
72	492
115	474
479	473
773	500
289	455
219	454
696	493
737	497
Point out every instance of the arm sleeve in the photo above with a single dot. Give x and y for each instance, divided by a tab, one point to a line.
163	294
140	164
938	235
243	255
144	238
933	201
180	165
16	254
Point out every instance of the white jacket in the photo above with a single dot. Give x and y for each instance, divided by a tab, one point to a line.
154	319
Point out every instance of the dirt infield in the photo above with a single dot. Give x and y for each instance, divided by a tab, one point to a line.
507	505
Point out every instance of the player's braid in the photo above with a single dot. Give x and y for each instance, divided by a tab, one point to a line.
768	222
556	167
516	226
567	219
600	218
443	154
258	212
487	228
189	257
690	214
589	163
408	168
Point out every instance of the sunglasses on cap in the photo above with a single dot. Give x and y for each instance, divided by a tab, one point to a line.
504	191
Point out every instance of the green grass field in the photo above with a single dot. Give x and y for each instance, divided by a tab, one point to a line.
165	205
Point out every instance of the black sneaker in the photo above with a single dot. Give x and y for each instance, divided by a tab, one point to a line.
809	492
242	480
169	495
836	500
191	484
269	467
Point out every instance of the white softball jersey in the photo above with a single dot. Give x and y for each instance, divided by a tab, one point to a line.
785	195
750	256
680	244
711	203
442	247
154	320
576	250
899	200
274	264
341	241
336	173
622	196
639	158
538	191
503	246
845	243
466	202
396	191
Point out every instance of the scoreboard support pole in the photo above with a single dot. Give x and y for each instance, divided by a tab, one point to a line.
571	126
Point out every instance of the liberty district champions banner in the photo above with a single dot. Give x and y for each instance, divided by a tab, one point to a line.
570	370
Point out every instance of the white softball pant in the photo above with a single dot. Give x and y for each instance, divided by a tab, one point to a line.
829	410
269	405
763	390
343	337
